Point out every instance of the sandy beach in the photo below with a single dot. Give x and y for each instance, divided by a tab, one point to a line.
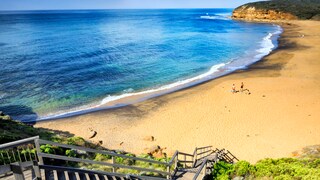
281	115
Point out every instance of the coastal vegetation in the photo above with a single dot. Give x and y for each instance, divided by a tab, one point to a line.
305	166
11	130
279	9
283	168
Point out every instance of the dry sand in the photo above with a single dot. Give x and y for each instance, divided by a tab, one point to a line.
281	115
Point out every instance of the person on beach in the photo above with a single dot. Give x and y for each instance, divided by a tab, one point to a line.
244	90
241	87
233	89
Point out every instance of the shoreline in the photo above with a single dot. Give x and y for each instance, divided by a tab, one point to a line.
215	71
208	114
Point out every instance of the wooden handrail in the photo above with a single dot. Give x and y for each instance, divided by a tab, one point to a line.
233	157
204	152
175	155
18	142
186	154
186	161
203	147
200	153
204	156
200	169
69	169
99	162
101	152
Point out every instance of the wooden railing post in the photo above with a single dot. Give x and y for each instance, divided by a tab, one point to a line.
36	142
194	159
185	159
176	162
17	171
113	162
205	169
168	171
36	170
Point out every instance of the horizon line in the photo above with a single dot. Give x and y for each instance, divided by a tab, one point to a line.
8	10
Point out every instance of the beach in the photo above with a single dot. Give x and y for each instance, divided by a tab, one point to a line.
279	116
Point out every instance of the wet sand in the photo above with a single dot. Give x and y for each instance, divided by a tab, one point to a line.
281	115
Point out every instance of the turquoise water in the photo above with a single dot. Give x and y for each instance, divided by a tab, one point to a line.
58	62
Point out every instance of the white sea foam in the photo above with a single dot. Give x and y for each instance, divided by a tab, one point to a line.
129	93
266	47
266	44
215	17
226	14
212	70
128	90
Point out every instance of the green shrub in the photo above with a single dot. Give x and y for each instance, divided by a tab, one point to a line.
281	169
125	161
223	177
71	153
76	141
51	149
47	149
102	157
222	169
243	168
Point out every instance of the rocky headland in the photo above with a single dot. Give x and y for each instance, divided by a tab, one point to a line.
279	10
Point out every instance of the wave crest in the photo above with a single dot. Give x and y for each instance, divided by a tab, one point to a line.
267	46
216	17
212	70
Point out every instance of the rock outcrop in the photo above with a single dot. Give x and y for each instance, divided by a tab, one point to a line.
279	10
248	12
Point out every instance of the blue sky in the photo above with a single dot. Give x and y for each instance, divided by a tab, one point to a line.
116	4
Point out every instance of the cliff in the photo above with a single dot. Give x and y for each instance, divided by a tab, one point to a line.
279	10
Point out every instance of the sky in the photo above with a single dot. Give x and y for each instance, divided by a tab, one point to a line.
116	4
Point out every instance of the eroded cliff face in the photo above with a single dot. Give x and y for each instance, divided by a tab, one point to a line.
247	12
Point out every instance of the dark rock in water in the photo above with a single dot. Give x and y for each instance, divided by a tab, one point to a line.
1	113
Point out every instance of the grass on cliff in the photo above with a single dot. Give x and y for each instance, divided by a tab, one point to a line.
303	9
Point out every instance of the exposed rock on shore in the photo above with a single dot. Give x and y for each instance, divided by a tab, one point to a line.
279	10
253	13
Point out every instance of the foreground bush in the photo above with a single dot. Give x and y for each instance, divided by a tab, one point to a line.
284	168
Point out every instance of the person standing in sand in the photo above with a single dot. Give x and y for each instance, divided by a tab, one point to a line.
233	89
241	87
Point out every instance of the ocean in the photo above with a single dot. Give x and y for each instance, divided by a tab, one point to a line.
62	63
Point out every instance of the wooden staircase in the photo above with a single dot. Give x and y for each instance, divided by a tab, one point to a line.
204	165
30	165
